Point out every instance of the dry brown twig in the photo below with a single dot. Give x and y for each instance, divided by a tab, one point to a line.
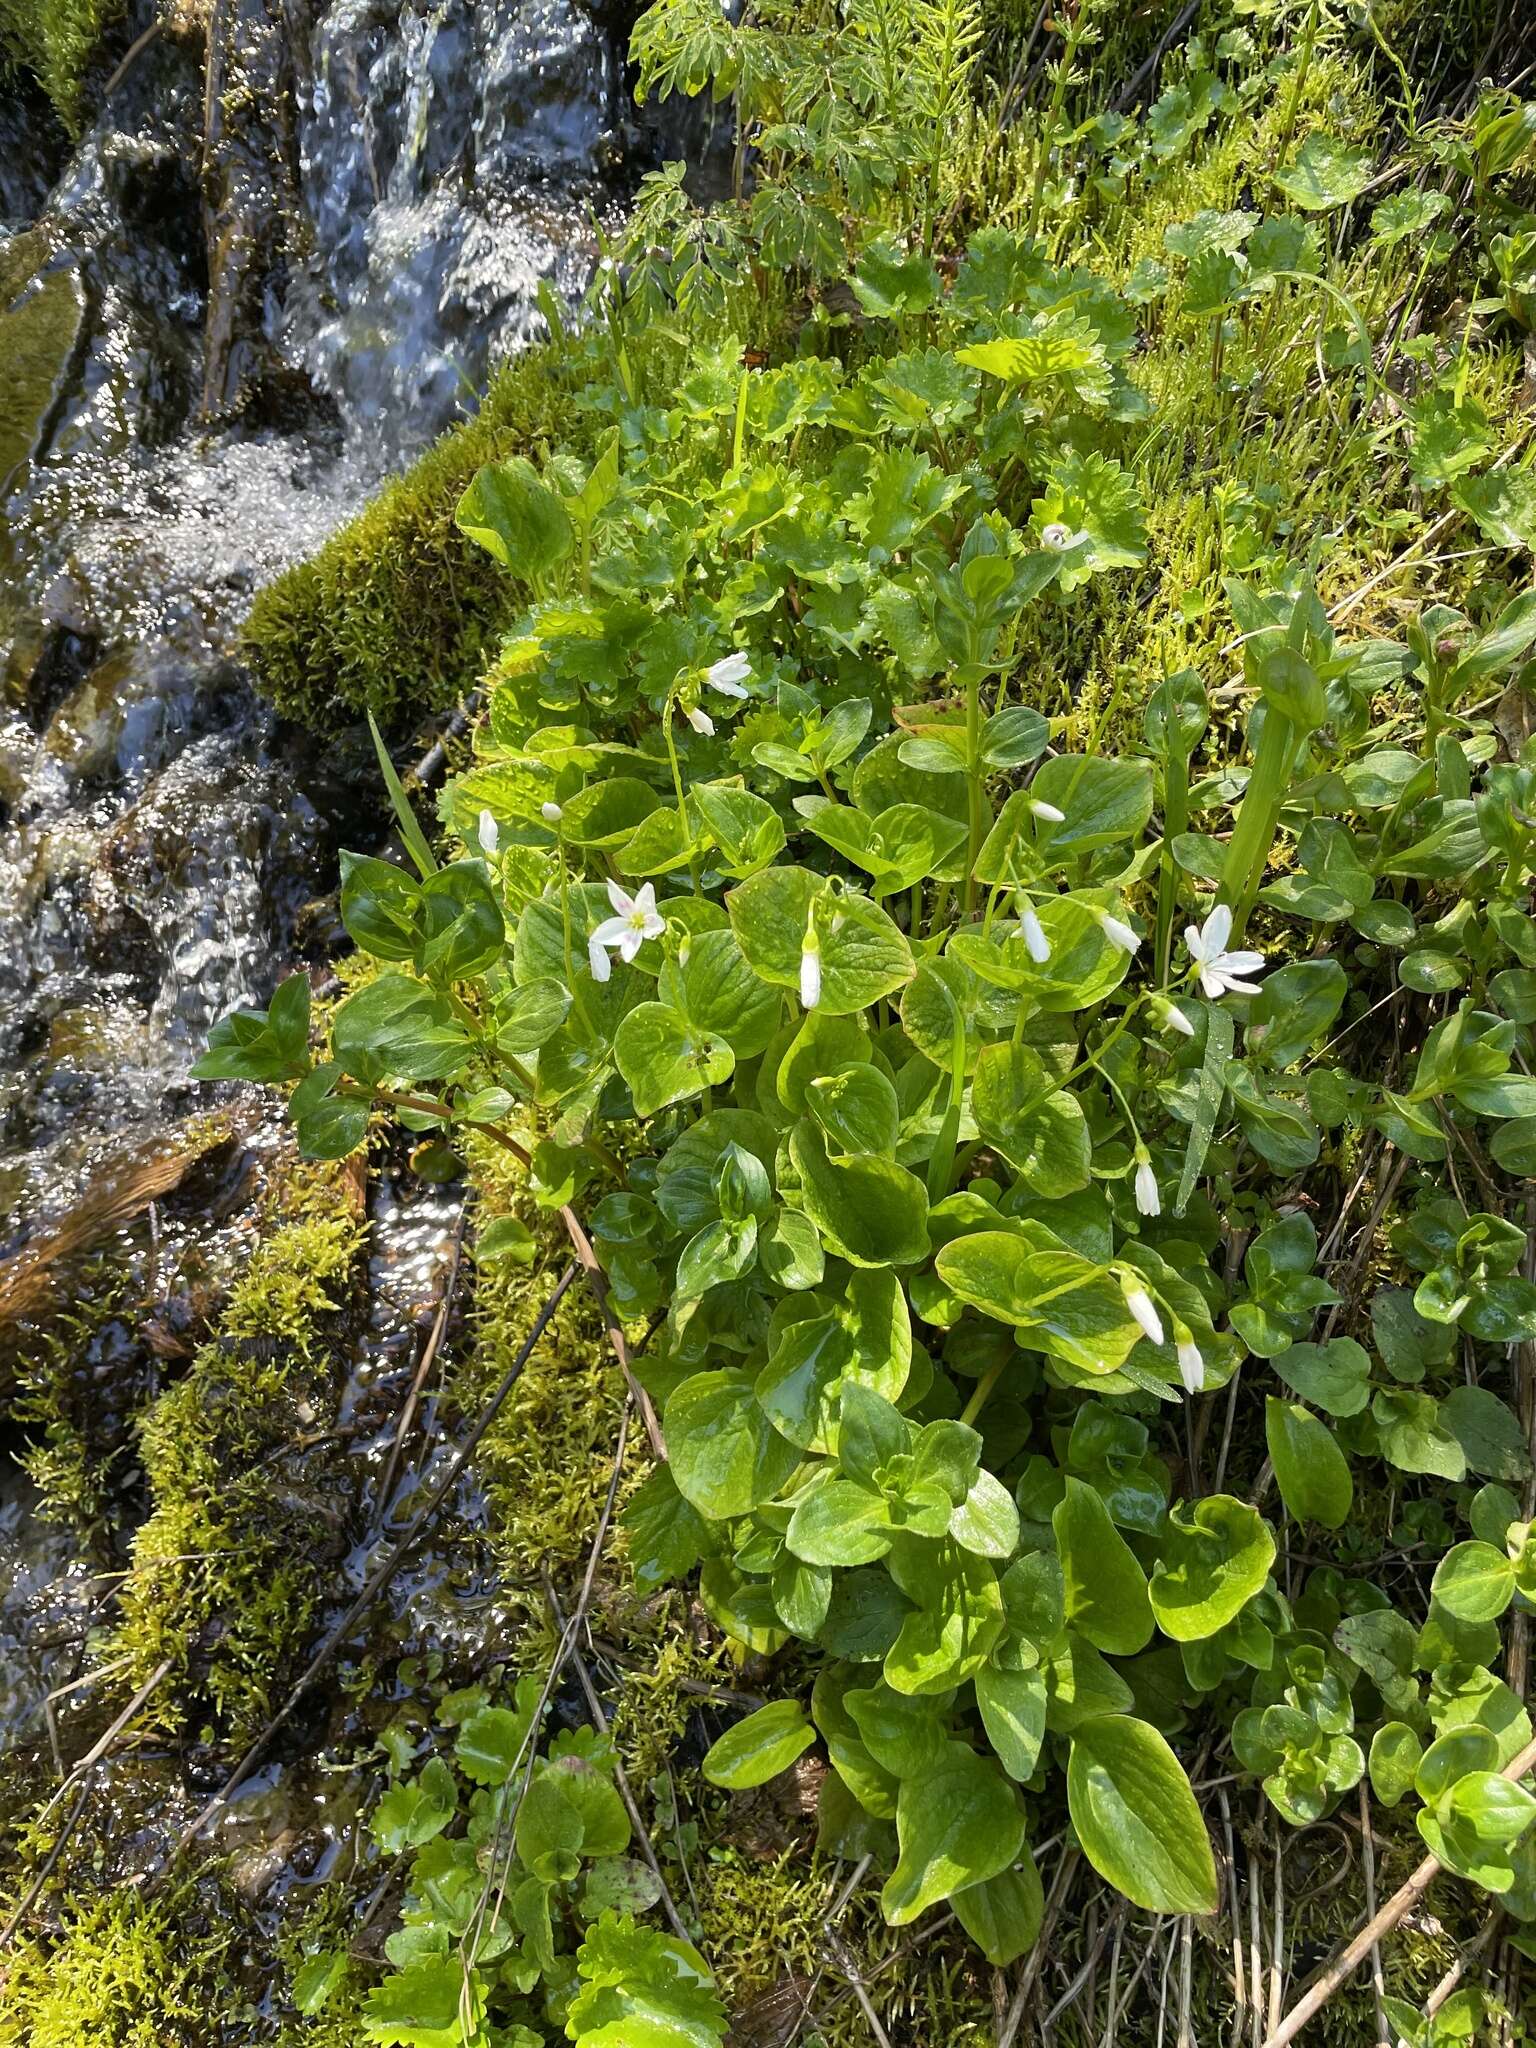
428	1355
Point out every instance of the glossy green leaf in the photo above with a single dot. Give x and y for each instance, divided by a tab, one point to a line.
957	1825
1136	1817
1003	1915
1106	1590
725	1454
759	1747
1311	1471
1215	1559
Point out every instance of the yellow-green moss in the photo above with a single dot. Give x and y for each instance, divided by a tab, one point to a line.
55	40
396	611
123	1970
545	1462
223	1580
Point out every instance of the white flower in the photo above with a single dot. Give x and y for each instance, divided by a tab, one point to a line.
490	838
1056	535
1143	1308
810	969
1114	928
1172	1018
727	676
1047	813
1036	943
701	722
1221	971
1191	1364
1148	1201
550	813
636	921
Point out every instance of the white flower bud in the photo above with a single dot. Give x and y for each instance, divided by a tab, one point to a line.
1036	943
1047	813
489	837
1172	1018
550	813
701	722
1115	928
1148	1201
1191	1364
1144	1310
810	969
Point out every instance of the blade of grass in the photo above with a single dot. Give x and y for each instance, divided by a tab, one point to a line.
410	831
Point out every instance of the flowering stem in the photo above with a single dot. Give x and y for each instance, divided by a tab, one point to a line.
1175	821
941	1161
1258	817
682	801
974	780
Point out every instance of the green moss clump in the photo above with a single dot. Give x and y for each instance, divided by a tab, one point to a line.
396	612
545	1462
224	1575
55	40
121	1972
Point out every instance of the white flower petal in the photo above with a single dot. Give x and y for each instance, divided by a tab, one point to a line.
1194	945
728	675
1241	963
645	899
810	976
621	899
1216	930
1144	1310
610	932
1242	988
1115	928
1211	982
597	959
631	943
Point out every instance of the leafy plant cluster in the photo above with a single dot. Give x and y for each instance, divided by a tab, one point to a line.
521	1901
964	1104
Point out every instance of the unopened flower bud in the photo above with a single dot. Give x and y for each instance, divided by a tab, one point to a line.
1144	1311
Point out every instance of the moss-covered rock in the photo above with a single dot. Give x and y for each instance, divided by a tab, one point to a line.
229	1563
40	314
121	1970
396	611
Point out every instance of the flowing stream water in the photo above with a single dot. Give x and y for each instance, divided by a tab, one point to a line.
276	267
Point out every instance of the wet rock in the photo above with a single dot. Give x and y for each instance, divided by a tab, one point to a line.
122	1187
42	314
250	197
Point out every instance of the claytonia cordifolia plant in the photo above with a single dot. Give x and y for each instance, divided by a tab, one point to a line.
945	1186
